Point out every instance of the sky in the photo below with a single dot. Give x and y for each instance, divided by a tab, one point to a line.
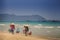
49	9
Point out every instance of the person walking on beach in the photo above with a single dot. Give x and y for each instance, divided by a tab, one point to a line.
25	31
12	28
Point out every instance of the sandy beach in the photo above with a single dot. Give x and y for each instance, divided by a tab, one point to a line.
9	36
38	34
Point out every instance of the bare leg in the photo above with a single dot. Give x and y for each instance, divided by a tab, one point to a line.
25	33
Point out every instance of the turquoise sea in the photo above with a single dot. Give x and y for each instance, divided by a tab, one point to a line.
34	23
40	29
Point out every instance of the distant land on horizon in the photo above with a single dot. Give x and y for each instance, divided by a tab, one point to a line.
10	17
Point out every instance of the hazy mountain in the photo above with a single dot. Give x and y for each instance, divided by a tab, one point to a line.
8	17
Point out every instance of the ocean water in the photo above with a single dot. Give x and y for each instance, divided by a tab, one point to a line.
40	29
